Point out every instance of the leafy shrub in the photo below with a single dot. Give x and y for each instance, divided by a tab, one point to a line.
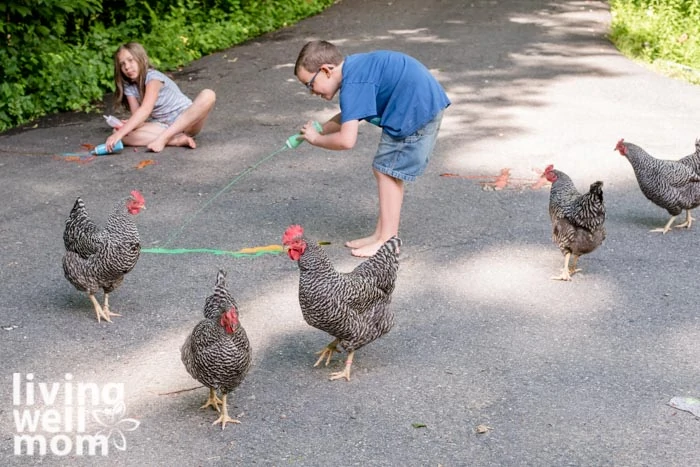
65	59
658	31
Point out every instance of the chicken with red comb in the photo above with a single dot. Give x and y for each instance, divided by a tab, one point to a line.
577	219
353	306
99	258
670	184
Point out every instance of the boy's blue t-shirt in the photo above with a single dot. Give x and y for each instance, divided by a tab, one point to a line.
393	86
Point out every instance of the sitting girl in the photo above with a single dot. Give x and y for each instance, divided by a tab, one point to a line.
161	115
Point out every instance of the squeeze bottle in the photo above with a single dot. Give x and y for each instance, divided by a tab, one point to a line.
101	150
294	141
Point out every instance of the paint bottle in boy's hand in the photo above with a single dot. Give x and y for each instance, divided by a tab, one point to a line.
101	150
294	141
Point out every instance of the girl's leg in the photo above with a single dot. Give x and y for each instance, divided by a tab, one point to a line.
149	131
144	134
188	124
390	200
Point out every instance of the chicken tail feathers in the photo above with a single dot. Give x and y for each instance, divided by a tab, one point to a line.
597	189
220	280
219	299
81	233
382	267
392	245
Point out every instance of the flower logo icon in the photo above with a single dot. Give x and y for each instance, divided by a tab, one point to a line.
112	419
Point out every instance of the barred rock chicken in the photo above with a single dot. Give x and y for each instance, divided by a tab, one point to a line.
577	219
217	352
672	185
352	307
98	258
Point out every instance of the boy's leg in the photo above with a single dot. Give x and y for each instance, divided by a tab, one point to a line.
188	124
390	200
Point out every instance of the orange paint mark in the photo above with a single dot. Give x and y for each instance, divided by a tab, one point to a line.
502	181
258	249
145	163
539	183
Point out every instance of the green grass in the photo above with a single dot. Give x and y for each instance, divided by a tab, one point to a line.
664	34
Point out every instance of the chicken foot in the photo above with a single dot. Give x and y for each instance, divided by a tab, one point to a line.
327	352
105	309
212	401
688	220
224	418
98	308
666	227
567	272
346	371
102	312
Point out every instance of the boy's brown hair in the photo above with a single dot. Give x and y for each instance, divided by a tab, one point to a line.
317	53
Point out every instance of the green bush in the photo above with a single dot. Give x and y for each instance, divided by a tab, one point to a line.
65	59
662	32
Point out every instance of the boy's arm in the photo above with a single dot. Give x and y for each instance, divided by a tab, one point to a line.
332	125
335	136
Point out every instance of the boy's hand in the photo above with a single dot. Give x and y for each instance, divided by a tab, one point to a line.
310	132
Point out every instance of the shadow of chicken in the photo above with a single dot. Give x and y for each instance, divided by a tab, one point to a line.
577	219
352	307
217	353
99	258
672	185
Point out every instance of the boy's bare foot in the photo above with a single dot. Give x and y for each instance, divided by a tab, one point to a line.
367	250
360	242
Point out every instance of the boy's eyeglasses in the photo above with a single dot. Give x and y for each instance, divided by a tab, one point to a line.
310	84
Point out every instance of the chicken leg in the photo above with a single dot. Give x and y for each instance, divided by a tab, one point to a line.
224	418
105	309
327	352
567	272
666	227
212	401
98	308
102	311
688	220
346	371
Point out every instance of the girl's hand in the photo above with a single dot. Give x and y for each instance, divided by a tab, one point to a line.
111	141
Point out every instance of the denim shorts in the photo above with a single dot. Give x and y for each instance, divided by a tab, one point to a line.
407	158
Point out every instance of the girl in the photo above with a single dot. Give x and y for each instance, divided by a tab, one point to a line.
161	115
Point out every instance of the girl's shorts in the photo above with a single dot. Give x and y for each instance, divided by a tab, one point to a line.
407	158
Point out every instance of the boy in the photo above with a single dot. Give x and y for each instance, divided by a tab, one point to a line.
390	88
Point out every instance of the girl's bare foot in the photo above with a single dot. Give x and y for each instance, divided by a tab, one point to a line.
367	250
182	140
361	242
178	140
155	146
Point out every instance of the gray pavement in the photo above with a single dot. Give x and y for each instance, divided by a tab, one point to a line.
556	373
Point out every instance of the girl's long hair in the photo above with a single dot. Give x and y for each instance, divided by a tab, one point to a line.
139	53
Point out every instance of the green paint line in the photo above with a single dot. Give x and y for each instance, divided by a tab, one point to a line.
181	251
